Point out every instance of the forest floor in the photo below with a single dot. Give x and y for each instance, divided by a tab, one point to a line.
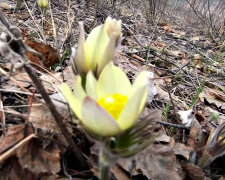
187	65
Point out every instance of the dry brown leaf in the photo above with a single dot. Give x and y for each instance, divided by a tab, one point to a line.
213	96
5	5
184	61
136	63
178	33
223	63
41	117
197	139
168	79
215	146
22	78
50	81
199	117
137	57
155	162
195	38
162	24
13	135
11	170
199	64
160	44
197	56
194	172
50	55
175	53
167	28
162	137
221	178
119	173
177	36
39	156
181	149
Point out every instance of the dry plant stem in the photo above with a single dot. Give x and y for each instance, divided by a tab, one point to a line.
70	20
53	25
58	118
127	28
204	20
8	153
45	70
173	125
19	92
15	113
30	106
173	105
35	21
2	116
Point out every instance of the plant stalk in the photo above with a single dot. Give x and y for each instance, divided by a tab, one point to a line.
104	170
105	163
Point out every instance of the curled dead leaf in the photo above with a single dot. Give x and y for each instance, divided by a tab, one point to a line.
50	55
197	139
12	170
194	172
39	156
155	162
13	135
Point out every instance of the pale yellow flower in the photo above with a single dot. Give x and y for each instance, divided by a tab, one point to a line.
110	105
98	49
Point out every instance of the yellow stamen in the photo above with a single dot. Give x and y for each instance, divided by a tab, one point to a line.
113	104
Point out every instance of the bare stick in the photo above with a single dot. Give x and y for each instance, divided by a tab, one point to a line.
2	115
173	125
176	116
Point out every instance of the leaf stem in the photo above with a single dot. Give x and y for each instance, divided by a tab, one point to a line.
104	164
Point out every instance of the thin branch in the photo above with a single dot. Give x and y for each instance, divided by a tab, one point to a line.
173	125
2	116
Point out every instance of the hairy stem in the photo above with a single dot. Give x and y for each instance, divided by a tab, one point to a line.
104	164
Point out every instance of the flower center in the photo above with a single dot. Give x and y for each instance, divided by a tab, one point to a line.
113	104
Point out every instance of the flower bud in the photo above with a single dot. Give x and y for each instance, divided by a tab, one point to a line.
113	26
98	49
43	4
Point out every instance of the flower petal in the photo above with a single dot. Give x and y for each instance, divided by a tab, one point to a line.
91	85
95	45
113	26
78	90
141	80
112	80
80	61
133	107
108	54
96	120
74	103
